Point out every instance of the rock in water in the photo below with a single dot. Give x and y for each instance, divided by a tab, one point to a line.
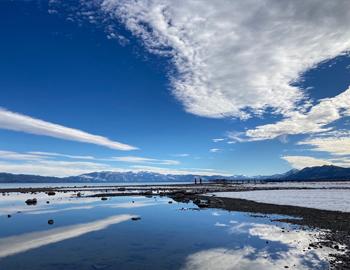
31	201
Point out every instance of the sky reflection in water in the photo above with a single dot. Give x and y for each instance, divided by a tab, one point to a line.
95	234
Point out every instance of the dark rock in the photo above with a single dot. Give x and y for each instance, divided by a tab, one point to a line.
104	199
8	216
50	222
47	202
31	201
201	203
135	218
51	193
121	189
170	201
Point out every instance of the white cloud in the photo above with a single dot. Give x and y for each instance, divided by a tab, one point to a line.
298	122
49	164
128	159
300	162
332	143
53	167
10	155
218	140
182	155
52	154
237	58
133	159
18	122
214	150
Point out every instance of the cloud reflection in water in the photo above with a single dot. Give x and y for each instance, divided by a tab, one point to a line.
21	243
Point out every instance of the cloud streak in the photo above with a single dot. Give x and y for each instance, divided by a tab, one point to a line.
22	123
133	159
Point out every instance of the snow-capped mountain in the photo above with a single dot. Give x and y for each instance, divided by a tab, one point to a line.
312	173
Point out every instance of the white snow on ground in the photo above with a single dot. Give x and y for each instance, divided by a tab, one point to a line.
335	184
326	199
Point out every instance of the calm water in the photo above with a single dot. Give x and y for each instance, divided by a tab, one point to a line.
38	185
92	234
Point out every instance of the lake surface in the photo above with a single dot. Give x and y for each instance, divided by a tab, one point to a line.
40	185
89	233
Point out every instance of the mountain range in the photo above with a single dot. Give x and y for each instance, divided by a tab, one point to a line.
322	173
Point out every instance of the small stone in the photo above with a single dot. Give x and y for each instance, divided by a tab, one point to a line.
47	202
103	199
170	202
50	222
8	216
51	193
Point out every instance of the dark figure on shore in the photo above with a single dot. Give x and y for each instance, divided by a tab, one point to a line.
195	181
200	181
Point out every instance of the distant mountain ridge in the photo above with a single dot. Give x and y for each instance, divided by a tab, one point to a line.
310	173
326	172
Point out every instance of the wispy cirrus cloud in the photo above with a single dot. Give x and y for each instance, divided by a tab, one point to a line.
127	159
134	159
62	165
22	123
181	155
218	140
56	168
10	155
237	58
53	154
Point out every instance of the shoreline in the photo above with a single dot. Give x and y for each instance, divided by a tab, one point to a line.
335	223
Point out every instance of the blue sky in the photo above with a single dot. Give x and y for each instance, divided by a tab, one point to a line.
149	85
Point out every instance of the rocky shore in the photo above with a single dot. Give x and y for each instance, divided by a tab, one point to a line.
335	224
